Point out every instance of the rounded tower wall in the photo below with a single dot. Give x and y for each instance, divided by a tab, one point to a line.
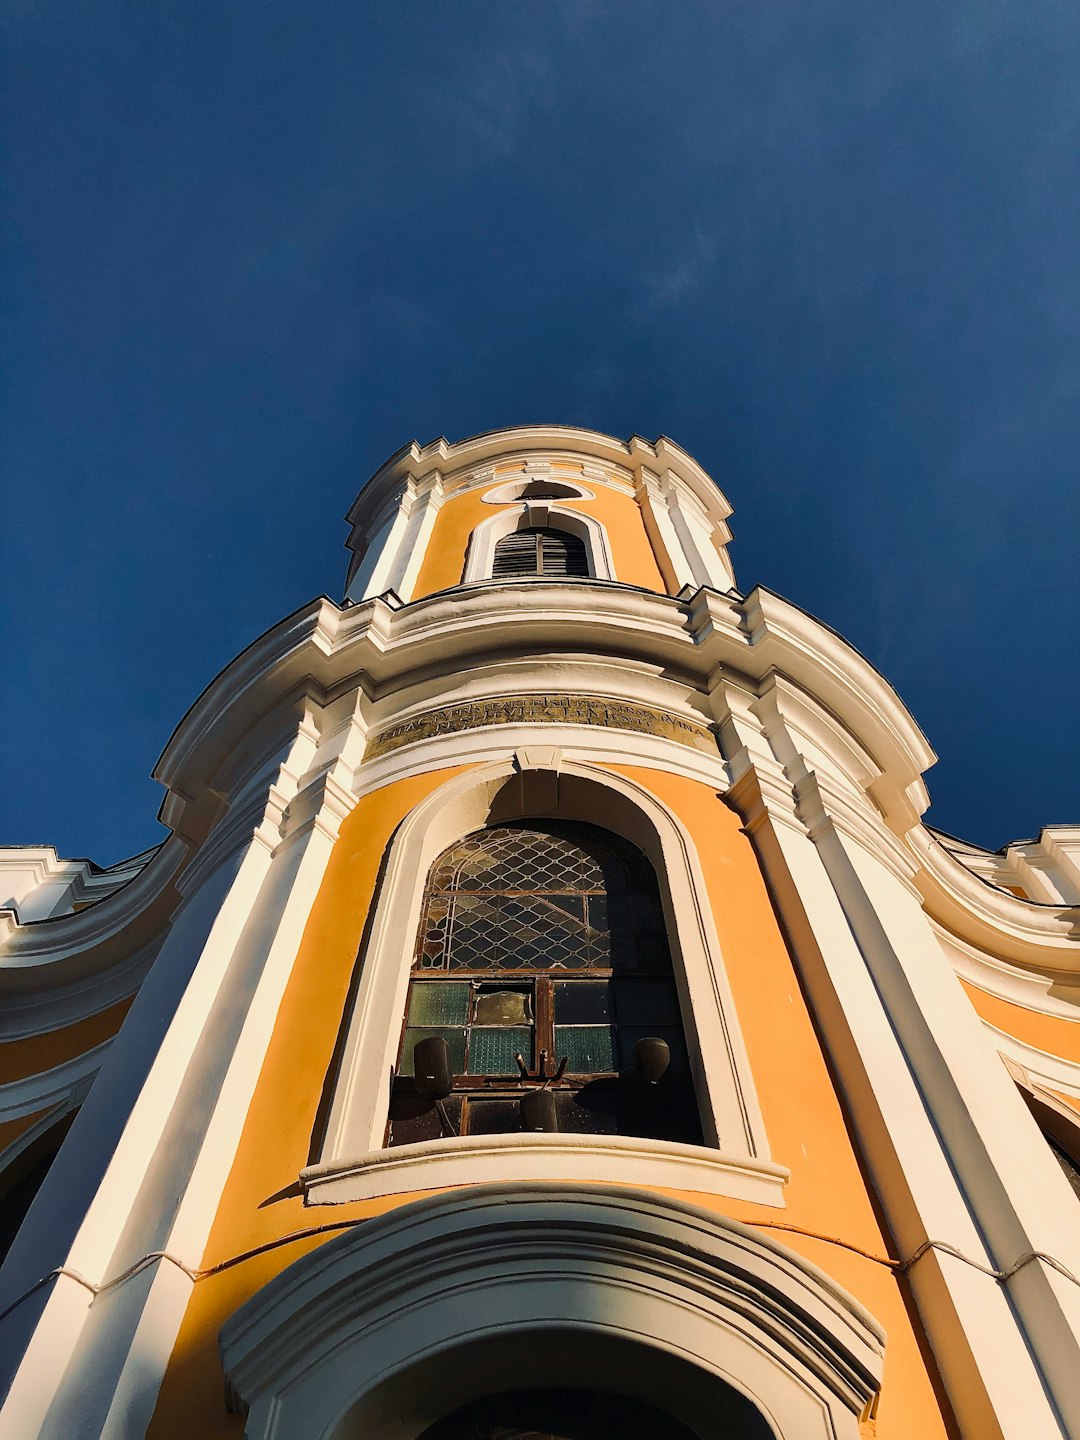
661	519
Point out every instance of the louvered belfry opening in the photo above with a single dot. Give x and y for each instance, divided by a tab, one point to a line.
540	551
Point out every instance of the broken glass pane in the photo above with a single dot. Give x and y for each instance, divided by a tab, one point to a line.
582	1002
503	1007
647	1002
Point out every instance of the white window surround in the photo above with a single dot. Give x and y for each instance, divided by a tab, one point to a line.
527	515
501	1287
540	784
507	494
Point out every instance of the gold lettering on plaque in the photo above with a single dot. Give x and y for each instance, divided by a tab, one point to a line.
543	709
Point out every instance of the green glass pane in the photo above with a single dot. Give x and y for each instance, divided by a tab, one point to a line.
588	1048
492	1052
503	1007
646	1002
630	1035
455	1040
443	1003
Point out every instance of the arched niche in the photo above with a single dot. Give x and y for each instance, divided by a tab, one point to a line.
498	1288
531	515
352	1163
24	1167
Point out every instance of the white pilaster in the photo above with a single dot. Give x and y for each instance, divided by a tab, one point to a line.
675	567
104	1362
895	1074
426	497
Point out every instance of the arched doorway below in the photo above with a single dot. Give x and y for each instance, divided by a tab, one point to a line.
554	1383
556	1414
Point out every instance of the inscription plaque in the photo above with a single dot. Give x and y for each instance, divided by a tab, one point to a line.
543	709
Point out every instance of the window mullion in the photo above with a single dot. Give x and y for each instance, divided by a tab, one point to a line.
545	1028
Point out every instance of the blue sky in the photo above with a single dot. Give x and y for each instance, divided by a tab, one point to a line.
251	249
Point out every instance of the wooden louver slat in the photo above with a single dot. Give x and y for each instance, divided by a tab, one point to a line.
540	551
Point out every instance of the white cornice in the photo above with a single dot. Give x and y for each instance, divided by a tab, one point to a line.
587	1159
1042	937
114	932
1041	992
632	456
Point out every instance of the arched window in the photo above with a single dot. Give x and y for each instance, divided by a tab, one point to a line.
24	1178
542	965
539	551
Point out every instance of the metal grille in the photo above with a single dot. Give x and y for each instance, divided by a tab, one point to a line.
540	551
565	897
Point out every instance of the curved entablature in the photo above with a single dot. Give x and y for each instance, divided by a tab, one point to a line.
326	672
639	1284
1045	869
38	884
57	971
324	652
455	459
1043	935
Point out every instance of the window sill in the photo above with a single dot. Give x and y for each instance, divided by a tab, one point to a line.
597	1159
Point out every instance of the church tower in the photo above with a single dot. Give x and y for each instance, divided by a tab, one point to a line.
548	1015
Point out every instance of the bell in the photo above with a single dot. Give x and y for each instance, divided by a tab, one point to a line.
431	1068
538	1111
652	1059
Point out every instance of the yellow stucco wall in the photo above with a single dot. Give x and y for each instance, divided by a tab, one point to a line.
444	560
803	1115
1052	1033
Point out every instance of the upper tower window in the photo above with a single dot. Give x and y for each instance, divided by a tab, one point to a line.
540	551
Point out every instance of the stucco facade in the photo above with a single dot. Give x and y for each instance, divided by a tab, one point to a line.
874	1231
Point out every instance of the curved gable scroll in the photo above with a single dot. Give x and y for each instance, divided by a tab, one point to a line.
394	1324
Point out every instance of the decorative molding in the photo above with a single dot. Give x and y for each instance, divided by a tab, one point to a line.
584	744
580	1159
542	709
1053	1071
650	1286
1042	994
509	493
72	1078
1041	936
